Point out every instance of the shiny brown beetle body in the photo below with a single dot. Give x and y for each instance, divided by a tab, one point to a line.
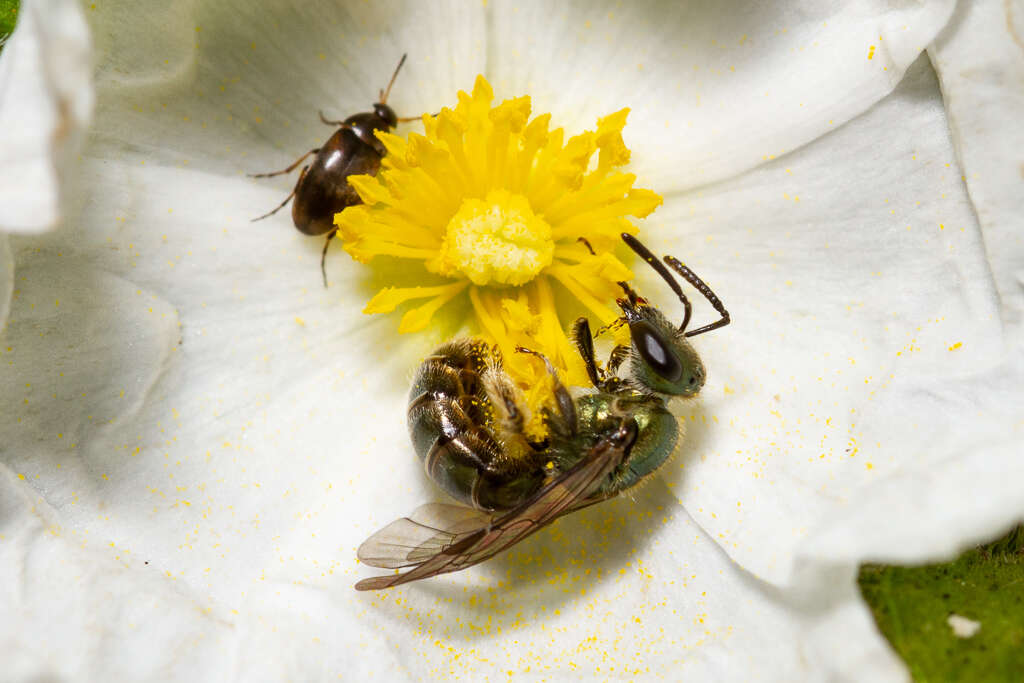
323	188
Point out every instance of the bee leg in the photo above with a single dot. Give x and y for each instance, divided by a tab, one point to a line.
563	401
614	325
619	354
510	422
284	170
585	345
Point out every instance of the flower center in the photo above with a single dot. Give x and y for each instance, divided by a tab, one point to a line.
497	240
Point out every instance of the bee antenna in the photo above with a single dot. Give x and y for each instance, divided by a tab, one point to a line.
645	253
699	285
384	94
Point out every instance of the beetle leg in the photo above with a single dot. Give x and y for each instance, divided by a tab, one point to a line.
286	170
279	206
332	123
323	255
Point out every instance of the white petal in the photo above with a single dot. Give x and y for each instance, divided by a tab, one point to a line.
865	378
46	101
235	87
980	62
78	608
272	441
613	591
82	350
715	88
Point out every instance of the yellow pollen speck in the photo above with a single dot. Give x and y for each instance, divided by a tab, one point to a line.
871	52
956	346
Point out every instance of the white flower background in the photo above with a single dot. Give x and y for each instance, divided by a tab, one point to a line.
195	435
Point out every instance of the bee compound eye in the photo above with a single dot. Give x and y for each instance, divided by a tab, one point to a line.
657	354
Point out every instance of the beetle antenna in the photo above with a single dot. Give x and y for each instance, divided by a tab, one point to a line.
384	94
645	253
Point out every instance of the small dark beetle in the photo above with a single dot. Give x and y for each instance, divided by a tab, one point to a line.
323	189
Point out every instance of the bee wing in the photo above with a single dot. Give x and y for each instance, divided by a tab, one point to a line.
460	546
414	539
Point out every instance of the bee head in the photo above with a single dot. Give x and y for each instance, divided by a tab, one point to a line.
661	357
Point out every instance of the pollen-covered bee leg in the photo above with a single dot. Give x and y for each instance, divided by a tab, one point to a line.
699	285
323	255
585	345
614	325
509	419
615	359
563	401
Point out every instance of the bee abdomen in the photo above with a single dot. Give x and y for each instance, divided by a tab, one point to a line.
448	417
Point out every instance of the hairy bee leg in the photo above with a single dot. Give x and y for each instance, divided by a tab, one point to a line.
616	357
585	345
699	285
284	170
510	420
504	398
619	354
564	402
614	325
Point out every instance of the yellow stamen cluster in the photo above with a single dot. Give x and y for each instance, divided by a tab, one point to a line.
493	205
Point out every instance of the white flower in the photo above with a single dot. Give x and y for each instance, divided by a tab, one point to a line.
195	435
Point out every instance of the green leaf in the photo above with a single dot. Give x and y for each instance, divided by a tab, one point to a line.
911	606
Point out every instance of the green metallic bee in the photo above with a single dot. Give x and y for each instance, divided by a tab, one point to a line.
468	429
